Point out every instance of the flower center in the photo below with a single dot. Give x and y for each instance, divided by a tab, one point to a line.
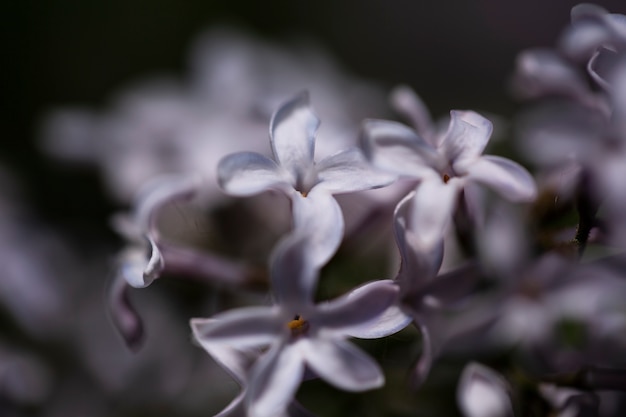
298	325
446	178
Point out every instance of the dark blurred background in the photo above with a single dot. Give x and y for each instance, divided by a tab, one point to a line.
57	53
456	54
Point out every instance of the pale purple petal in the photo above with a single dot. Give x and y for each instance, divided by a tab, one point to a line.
483	393
349	171
419	264
244	327
294	277
467	136
580	40
342	364
406	102
356	309
274	381
319	217
124	316
422	367
508	178
389	322
602	65
433	205
159	192
397	148
541	72
248	173
585	11
237	362
141	265
451	287
292	135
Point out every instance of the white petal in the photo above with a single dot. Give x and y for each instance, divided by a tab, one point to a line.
248	173
419	264
542	71
294	276
433	205
391	321
407	102
602	65
139	270
292	134
319	217
349	171
237	362
467	136
397	148
244	327
483	393
358	308
342	364
579	41
506	177
275	380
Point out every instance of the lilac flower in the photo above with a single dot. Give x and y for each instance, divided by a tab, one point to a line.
299	333
239	363
483	393
149	255
445	167
142	229
432	301
308	184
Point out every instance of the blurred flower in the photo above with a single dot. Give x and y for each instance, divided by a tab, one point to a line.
308	184
165	127
300	333
444	169
483	393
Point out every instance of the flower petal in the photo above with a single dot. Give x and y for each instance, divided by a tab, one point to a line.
244	327
248	173
467	136
349	171
389	322
274	380
419	264
294	277
483	393
405	101
541	72
124	316
422	367
292	135
506	177
319	217
342	364
397	148
356	309
433	204
138	269
237	362
602	65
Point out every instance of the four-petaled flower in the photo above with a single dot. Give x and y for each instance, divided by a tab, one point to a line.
444	165
309	185
299	333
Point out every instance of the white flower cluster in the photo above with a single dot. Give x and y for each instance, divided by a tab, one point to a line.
524	270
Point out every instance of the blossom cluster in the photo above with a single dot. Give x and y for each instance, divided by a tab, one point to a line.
488	257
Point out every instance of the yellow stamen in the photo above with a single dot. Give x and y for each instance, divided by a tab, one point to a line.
298	325
304	193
